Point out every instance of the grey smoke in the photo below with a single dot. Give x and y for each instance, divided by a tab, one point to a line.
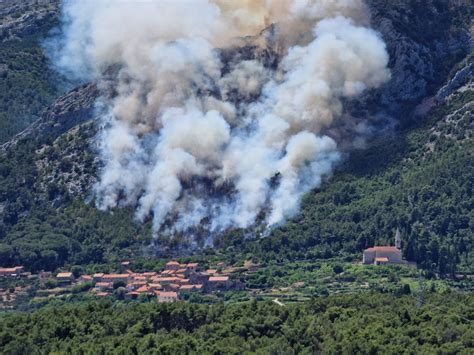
175	145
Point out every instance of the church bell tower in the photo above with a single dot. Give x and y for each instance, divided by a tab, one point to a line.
398	239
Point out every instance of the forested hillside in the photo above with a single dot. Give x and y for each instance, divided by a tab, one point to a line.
413	174
417	180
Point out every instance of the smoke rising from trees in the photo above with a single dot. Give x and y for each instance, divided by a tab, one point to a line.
188	138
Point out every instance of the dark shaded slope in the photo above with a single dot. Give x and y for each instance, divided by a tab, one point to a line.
27	83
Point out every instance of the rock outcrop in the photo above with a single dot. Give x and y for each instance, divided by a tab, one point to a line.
70	110
463	77
423	43
19	18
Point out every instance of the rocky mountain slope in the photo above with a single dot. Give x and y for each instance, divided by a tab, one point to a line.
422	125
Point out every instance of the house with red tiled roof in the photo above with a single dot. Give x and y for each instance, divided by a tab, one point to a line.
191	288
167	280
133	285
167	296
143	289
140	278
11	271
218	282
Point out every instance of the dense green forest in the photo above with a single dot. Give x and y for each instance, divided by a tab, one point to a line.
367	323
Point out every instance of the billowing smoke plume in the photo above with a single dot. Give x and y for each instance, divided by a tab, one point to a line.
194	134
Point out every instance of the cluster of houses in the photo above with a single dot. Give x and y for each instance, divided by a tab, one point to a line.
167	285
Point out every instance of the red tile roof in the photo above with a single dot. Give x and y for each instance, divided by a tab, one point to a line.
104	284
143	289
10	269
116	276
172	262
170	294
219	279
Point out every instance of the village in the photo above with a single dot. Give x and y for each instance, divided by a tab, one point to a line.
175	282
209	282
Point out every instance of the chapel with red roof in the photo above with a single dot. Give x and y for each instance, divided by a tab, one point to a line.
381	255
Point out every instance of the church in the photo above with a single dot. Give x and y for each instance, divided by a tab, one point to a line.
383	255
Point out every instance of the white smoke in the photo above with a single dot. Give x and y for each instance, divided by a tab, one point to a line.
189	136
